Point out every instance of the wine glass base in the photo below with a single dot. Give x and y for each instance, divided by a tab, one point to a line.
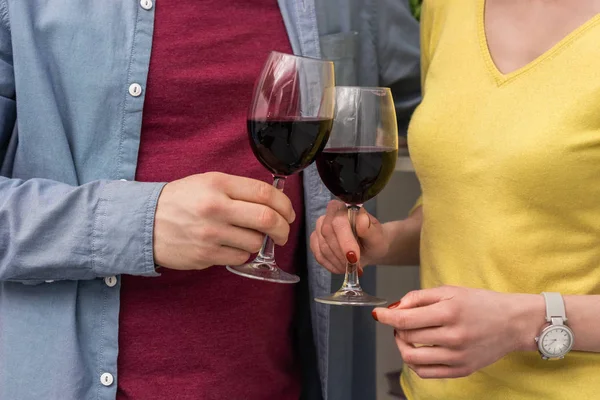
264	271
351	297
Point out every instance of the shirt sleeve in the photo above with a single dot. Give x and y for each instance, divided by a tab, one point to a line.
50	230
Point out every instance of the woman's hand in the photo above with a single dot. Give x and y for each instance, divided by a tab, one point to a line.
451	332
333	239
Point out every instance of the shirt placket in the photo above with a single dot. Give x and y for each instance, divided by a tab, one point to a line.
129	139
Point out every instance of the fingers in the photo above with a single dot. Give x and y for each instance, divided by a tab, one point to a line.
440	371
254	191
327	232
259	218
224	255
437	336
363	223
432	362
314	246
326	250
240	238
424	297
340	231
334	238
426	355
414	318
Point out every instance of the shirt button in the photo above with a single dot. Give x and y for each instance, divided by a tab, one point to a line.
106	379
135	89
110	281
50	281
146	4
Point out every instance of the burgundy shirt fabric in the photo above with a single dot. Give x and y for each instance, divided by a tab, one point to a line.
208	334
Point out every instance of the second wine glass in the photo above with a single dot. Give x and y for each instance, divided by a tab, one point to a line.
357	163
289	122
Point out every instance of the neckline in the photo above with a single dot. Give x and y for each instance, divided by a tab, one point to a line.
503	78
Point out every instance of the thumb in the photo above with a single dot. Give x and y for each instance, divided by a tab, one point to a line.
368	229
345	237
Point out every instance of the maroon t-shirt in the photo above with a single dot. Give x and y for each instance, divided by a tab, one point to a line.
208	334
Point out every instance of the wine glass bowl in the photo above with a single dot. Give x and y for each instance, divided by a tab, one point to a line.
356	164
286	146
356	175
289	121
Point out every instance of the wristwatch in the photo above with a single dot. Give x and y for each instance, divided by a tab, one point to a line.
556	339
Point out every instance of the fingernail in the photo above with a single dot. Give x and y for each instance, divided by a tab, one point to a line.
374	314
360	272
351	257
394	305
369	223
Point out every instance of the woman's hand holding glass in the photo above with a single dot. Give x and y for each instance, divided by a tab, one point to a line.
333	240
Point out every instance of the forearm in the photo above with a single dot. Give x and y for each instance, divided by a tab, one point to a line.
50	230
583	313
404	238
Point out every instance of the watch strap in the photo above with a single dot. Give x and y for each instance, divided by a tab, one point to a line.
555	306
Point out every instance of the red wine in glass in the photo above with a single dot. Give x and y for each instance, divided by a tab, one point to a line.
356	164
356	174
287	146
289	121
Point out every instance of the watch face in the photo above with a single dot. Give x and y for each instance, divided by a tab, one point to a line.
557	341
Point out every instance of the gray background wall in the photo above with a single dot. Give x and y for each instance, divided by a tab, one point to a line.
393	282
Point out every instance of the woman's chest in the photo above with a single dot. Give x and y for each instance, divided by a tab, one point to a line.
517	32
518	134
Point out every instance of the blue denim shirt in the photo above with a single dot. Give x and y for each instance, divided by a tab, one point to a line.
72	79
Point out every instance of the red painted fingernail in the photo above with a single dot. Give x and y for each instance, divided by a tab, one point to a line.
351	257
360	272
374	314
394	305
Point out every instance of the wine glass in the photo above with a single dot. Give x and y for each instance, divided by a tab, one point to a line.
356	164
289	121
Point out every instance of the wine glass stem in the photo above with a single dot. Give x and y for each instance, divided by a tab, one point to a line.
351	280
267	251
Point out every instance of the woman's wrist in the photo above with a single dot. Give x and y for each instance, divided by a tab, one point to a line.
528	317
582	317
401	243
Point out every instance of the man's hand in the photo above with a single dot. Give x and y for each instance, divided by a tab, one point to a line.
217	219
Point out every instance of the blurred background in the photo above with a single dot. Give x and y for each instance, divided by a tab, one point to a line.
393	203
393	282
416	8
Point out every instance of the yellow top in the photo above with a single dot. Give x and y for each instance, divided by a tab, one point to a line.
510	171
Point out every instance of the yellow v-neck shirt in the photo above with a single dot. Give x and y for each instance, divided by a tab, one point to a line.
510	171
